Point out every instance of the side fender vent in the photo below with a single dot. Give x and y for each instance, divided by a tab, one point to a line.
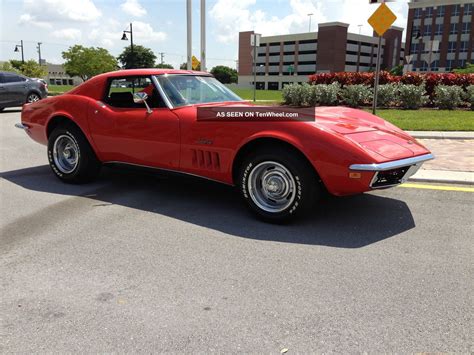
205	159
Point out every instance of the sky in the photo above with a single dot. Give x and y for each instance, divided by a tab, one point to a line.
161	24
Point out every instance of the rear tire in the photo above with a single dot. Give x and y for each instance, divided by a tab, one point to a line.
278	184
32	97
70	155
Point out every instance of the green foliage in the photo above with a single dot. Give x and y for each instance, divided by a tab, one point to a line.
468	69
88	62
164	66
225	75
412	97
448	97
142	57
356	95
470	95
397	70
7	66
32	69
295	94
387	95
325	95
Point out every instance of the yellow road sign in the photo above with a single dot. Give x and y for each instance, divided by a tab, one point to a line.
195	63
382	19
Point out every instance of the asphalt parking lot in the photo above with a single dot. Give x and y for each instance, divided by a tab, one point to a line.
149	263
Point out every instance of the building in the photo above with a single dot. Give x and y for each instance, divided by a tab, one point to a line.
291	58
57	76
445	23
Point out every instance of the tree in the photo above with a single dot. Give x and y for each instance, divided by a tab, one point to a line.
32	69
7	66
184	66
164	66
225	75
88	62
16	64
142	57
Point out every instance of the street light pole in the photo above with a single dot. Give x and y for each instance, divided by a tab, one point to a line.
124	38
39	52
203	35
22	54
377	75
309	28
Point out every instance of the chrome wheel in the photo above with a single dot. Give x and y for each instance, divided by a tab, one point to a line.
271	186
33	98
65	154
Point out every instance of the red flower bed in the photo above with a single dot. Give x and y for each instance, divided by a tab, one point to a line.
431	80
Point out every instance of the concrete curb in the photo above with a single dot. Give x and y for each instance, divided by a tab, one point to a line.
444	176
441	135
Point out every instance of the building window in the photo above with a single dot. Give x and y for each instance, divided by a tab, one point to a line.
441	11
462	63
415	30
453	29
449	64
452	47
463	46
468	9
439	29
414	48
423	65
435	65
418	13
272	85
260	85
456	10
427	30
466	27
428	12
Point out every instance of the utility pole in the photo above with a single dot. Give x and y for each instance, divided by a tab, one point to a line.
189	17
162	56
377	75
203	35
309	29
124	38
39	52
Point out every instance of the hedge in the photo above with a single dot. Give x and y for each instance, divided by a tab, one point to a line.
430	80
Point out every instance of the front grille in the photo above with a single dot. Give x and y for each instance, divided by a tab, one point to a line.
389	177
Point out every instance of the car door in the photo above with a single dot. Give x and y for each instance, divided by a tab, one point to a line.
4	99
15	87
123	131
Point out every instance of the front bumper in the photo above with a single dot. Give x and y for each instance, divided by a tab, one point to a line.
393	173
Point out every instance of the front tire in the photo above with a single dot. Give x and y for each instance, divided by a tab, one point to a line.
71	157
277	184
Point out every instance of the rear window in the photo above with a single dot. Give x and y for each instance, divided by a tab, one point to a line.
12	78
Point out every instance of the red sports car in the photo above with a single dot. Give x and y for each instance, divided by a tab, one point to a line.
148	117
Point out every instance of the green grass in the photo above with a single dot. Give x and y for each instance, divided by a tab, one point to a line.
430	120
59	89
267	95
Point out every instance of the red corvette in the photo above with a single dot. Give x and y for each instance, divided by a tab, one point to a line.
147	117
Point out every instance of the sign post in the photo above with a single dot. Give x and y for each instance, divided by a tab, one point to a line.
255	42
381	20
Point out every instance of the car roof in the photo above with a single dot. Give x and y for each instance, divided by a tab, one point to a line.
152	71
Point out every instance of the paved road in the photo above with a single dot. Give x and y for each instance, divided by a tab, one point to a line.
143	263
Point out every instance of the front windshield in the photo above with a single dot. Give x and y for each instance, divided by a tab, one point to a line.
184	90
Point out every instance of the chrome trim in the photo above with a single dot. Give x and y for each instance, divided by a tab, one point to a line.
21	126
166	170
162	92
392	164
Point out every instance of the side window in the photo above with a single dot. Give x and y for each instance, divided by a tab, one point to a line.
120	92
12	78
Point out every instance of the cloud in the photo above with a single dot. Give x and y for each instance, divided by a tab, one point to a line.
243	18
133	8
27	19
109	33
43	13
67	34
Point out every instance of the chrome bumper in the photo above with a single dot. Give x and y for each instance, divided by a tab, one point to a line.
21	126
393	173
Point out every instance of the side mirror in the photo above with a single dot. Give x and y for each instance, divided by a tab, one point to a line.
140	98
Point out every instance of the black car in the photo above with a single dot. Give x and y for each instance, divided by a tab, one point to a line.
16	90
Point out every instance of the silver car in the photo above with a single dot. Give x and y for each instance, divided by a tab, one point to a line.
16	90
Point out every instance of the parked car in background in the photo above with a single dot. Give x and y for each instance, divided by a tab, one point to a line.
16	90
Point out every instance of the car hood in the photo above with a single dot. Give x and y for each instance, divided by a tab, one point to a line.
369	131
